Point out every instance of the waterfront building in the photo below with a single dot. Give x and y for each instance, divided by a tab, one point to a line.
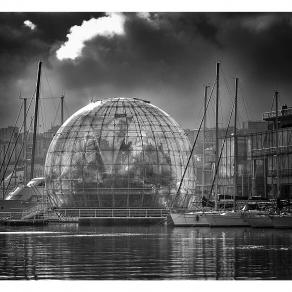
260	161
10	147
226	186
119	153
266	156
12	154
209	166
249	127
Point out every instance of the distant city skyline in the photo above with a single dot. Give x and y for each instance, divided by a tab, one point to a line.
166	58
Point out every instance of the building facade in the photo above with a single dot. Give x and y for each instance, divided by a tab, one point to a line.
14	159
264	159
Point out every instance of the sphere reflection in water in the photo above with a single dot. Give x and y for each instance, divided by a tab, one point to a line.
118	152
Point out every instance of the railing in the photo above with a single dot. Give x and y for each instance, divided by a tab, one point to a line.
282	112
113	213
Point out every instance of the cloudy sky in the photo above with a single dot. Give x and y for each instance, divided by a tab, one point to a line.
166	58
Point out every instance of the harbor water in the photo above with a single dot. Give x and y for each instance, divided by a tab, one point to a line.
69	251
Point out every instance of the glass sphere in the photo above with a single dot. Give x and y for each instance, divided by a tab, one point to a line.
119	153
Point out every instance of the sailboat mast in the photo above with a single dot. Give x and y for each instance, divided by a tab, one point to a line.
24	142
37	95
277	146
217	132
62	110
204	140
235	145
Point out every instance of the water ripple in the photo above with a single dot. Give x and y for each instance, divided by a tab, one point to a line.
156	252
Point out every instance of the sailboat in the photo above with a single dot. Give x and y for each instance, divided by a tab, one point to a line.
190	218
29	194
197	218
269	220
229	218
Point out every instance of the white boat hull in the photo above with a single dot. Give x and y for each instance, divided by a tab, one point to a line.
282	221
192	219
226	220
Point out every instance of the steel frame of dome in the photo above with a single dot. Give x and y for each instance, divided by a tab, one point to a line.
118	153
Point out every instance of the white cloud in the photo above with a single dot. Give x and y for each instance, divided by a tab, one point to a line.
112	24
29	24
144	15
150	18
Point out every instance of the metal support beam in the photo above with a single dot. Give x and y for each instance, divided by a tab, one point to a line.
217	132
235	145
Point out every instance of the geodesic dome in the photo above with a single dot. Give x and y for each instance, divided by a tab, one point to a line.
118	153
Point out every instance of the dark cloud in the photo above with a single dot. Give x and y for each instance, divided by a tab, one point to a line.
164	57
21	48
150	53
262	40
